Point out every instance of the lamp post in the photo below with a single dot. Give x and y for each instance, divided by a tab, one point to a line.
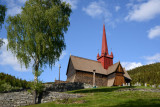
59	72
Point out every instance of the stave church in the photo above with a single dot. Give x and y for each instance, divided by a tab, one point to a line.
97	73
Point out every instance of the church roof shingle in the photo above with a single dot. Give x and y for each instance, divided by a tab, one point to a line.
88	65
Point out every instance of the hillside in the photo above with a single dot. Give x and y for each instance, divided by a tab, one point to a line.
109	97
8	83
149	74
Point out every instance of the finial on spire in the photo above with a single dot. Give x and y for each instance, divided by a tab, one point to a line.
103	20
104	50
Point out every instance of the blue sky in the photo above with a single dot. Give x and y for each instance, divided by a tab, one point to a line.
132	29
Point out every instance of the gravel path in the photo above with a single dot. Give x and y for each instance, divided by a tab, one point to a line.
139	89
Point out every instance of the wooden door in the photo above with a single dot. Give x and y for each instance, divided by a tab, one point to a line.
119	79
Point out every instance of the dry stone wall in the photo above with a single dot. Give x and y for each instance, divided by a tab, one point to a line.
52	92
62	87
14	99
50	96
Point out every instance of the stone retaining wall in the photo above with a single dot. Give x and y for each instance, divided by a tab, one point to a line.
50	96
24	98
50	93
14	99
62	87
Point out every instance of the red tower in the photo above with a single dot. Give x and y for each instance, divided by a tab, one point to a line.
105	59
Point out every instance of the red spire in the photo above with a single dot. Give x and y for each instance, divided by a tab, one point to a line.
104	50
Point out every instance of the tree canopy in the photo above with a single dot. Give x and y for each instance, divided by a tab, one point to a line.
2	14
38	32
146	74
2	17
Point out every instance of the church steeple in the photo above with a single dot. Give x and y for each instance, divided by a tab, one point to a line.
105	59
104	50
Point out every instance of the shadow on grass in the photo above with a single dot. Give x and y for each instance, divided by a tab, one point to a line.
104	89
139	103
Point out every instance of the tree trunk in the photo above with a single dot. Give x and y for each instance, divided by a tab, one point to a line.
36	80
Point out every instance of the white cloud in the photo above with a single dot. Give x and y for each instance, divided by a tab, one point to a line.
14	10
144	11
131	65
7	58
117	8
96	9
14	7
152	59
62	55
22	1
154	32
73	3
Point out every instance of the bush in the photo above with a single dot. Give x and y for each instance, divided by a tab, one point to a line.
5	87
38	87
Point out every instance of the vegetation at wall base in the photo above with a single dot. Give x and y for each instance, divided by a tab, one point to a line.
149	74
108	96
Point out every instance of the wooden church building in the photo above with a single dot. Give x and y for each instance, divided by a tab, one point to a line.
101	72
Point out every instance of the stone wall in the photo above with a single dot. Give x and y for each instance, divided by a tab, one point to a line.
50	96
14	99
62	87
50	93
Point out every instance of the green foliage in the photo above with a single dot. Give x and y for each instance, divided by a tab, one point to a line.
146	74
38	73
3	10
8	82
38	87
38	32
2	17
5	87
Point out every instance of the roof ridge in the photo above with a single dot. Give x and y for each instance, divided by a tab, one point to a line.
85	58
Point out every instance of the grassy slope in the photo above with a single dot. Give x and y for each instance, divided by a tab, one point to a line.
102	97
146	74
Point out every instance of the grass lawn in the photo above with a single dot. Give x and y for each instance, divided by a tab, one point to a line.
108	96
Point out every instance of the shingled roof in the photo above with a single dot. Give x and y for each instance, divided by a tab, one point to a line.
88	65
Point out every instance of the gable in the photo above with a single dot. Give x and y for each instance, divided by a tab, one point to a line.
70	69
119	69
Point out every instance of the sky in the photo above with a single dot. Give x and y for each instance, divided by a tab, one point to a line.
132	30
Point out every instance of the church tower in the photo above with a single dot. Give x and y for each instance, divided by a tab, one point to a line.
105	59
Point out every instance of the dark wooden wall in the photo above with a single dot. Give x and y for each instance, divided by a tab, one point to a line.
87	77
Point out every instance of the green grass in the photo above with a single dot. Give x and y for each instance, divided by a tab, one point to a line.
103	97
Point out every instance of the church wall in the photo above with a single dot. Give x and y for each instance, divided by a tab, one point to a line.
86	77
111	79
71	72
101	80
71	78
